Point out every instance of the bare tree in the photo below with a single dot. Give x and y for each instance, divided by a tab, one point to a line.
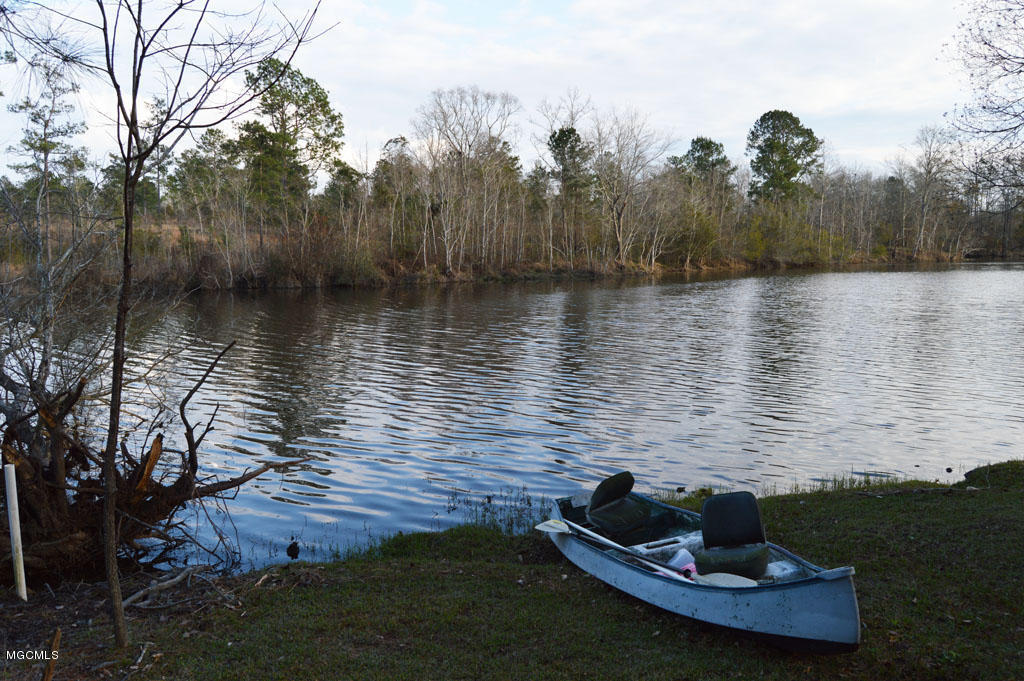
626	151
990	47
168	67
462	131
990	44
930	175
565	154
393	180
570	111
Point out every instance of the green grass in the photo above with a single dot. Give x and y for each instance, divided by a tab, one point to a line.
939	577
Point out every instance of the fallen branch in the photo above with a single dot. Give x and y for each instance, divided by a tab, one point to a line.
135	665
166	584
190	438
169	604
214	487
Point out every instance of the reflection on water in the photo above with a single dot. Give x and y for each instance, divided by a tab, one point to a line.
405	397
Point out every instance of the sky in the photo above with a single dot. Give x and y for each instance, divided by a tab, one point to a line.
865	75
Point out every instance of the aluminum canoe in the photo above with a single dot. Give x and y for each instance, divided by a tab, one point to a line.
817	612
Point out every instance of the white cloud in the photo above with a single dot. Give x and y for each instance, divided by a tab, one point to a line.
863	75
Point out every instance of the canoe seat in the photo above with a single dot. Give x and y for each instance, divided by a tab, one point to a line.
733	533
611	510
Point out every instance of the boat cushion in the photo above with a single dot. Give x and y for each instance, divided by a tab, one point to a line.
623	519
612	489
733	535
750	560
731	519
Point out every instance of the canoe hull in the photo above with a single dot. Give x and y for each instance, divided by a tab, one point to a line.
817	613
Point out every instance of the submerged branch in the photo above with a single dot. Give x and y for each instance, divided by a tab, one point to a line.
215	487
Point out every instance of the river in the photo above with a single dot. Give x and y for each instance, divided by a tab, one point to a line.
413	403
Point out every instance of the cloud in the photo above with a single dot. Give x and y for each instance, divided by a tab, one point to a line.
863	75
694	67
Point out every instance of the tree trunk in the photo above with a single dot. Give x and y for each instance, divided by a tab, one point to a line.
110	533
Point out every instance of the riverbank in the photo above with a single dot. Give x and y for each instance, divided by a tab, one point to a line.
938	580
394	275
187	273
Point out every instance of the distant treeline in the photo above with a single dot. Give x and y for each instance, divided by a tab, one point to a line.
453	200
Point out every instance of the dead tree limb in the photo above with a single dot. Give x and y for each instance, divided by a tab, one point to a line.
233	483
166	584
190	439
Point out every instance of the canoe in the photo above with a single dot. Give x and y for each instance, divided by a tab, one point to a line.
794	604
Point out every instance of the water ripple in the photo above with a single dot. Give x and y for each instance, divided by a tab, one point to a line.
403	398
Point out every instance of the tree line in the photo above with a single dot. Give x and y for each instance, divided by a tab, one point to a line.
270	202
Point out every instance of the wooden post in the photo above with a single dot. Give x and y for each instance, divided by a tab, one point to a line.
15	523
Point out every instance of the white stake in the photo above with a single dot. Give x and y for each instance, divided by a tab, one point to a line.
15	522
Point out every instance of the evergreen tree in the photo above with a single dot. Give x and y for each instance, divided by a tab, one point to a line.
299	135
785	152
705	160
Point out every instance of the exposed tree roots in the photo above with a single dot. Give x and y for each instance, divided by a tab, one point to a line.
60	495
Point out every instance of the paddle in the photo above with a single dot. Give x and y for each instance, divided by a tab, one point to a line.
566	527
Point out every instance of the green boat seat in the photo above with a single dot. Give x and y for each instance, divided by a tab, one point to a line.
611	510
733	533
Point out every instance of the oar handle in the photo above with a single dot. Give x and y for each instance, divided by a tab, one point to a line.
650	562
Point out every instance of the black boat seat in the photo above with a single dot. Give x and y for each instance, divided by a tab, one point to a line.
733	533
612	511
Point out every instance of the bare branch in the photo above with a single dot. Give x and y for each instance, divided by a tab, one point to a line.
166	584
233	483
193	445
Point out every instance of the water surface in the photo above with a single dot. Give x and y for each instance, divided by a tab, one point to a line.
404	398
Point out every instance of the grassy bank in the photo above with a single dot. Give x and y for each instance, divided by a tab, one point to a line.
939	576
